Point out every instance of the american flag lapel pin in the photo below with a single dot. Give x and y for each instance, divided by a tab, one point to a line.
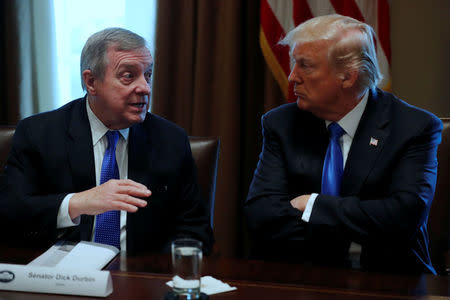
373	142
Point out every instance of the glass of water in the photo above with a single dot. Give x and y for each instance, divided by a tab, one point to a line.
186	261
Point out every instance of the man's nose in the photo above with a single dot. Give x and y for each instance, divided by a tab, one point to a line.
143	87
293	76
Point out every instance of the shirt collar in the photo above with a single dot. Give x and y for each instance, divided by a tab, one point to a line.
351	120
98	129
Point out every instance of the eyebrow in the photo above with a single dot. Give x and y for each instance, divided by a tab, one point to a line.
127	66
301	57
133	66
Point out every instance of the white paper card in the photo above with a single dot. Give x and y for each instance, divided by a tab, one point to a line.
53	255
88	256
55	280
84	255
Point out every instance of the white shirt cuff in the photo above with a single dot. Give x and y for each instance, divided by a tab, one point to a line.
309	206
63	220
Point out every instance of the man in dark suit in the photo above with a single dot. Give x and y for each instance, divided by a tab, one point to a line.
54	173
382	184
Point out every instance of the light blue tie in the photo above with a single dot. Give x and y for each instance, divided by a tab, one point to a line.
107	225
333	164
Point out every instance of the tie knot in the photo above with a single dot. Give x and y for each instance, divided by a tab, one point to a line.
335	130
113	137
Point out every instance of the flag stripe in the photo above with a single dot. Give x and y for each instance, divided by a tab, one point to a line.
282	12
276	56
274	32
301	12
368	10
274	65
383	28
321	7
347	8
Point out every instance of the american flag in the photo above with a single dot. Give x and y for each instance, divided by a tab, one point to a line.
280	16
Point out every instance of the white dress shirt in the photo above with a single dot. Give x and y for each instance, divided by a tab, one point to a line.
349	123
100	143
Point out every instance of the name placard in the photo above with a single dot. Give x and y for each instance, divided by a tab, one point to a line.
55	280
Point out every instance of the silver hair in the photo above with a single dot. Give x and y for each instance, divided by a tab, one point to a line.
94	53
352	45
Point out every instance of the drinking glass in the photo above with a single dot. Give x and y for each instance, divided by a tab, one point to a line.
186	261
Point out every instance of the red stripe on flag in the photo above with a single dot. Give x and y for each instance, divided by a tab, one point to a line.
347	8
270	24
301	12
383	28
274	33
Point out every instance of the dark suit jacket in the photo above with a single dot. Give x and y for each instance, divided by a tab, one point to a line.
386	190
52	155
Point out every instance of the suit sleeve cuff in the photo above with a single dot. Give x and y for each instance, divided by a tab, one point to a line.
63	219
309	206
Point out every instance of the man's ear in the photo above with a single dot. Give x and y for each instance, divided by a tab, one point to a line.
90	82
349	79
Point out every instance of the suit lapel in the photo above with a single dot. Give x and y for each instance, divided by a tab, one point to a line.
140	153
81	158
367	145
314	151
140	159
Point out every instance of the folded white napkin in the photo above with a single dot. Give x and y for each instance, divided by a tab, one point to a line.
211	285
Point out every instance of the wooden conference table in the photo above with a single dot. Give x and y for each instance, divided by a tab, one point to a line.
144	277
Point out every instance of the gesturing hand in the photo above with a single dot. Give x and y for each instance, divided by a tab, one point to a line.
114	194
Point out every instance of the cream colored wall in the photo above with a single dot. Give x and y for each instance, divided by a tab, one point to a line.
420	41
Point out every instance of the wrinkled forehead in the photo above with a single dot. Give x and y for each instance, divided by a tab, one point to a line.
117	57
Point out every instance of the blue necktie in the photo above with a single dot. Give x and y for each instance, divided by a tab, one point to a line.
107	225
333	164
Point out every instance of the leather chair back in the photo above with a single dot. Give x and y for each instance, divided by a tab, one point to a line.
205	152
6	134
439	219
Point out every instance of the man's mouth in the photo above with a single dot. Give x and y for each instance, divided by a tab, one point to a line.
138	105
298	94
297	91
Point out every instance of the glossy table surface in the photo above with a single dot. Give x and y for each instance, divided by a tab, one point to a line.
144	277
